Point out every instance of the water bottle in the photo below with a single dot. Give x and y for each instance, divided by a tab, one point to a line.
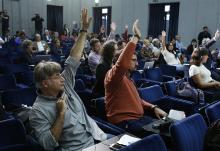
201	97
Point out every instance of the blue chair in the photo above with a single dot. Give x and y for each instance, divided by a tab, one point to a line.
210	96
13	136
155	74
16	68
213	112
155	95
189	133
7	82
108	127
84	93
98	106
13	99
26	78
168	70
139	80
150	143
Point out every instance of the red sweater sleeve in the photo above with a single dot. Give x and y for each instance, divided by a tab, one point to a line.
146	105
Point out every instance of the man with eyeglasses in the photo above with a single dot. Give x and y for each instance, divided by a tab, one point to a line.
123	105
58	117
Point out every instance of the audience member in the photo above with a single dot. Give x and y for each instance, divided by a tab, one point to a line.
38	23
5	22
203	34
41	46
105	64
191	48
66	29
46	36
58	117
123	105
27	52
200	75
94	55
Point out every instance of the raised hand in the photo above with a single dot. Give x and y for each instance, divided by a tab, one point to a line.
85	19
113	26
217	34
163	33
126	26
136	29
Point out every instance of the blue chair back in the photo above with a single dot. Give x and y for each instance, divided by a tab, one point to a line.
150	143
168	70
7	82
15	98
213	112
12	132
16	68
99	107
153	74
79	85
151	94
189	133
136	75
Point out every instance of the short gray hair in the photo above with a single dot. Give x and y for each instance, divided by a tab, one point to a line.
44	70
26	43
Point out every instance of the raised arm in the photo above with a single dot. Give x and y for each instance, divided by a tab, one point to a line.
163	40
122	65
78	47
213	40
112	33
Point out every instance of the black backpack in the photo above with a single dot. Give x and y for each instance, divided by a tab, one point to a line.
212	138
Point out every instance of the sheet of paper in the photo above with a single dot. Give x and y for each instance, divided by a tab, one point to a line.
176	115
127	140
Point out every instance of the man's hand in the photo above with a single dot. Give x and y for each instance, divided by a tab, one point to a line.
159	113
136	29
163	33
217	34
85	19
61	104
126	27
113	26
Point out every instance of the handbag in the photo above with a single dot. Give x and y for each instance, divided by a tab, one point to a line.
184	89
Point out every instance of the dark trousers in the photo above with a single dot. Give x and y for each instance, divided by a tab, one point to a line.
135	127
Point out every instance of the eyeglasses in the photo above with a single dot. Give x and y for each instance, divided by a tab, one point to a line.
56	76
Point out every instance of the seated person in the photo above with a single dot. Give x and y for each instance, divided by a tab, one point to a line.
58	117
200	75
94	55
171	56
27	54
41	46
105	64
123	105
169	53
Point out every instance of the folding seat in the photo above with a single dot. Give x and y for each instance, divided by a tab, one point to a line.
16	68
13	136
155	95
26	78
9	82
189	133
14	99
84	93
213	112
